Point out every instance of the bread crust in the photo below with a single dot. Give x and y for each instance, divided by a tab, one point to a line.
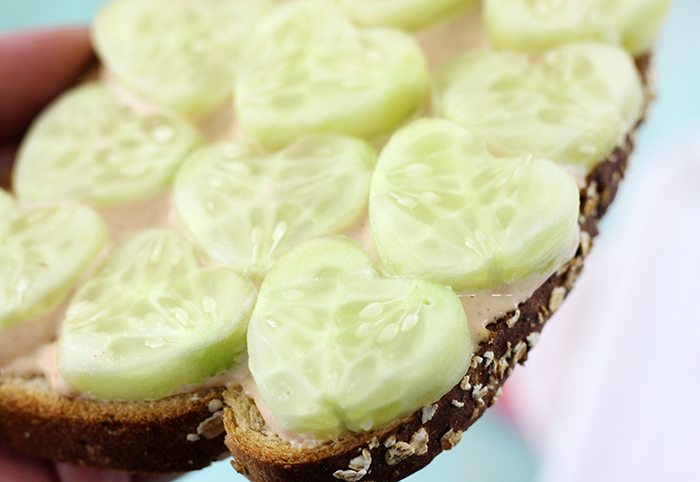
162	436
396	452
146	437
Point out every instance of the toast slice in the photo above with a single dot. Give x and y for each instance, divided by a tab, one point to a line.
186	432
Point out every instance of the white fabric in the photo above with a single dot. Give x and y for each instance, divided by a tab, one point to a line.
612	393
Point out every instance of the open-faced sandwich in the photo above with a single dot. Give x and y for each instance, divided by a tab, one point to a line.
324	231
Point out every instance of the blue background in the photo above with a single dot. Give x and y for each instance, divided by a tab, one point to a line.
490	452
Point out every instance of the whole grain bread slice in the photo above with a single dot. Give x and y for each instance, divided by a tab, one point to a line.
186	432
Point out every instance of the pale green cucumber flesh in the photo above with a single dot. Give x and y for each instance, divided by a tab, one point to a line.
244	207
90	147
182	54
314	72
445	209
573	105
403	14
640	23
536	25
334	345
43	252
150	321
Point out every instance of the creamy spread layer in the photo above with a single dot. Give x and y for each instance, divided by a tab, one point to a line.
17	341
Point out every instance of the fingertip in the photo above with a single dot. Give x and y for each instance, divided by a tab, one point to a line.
20	468
72	473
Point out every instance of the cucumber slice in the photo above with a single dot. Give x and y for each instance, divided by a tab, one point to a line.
443	208
244	207
314	72
534	25
334	345
151	321
40	260
640	22
404	14
181	54
573	105
91	148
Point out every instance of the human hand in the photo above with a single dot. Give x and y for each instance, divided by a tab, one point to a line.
18	468
34	69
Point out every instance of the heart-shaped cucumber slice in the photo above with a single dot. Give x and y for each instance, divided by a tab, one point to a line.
244	206
90	147
151	321
443	208
404	14
541	24
43	252
182	54
335	345
313	71
573	105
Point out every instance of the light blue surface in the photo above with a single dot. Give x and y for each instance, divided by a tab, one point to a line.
676	113
674	119
21	14
490	452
